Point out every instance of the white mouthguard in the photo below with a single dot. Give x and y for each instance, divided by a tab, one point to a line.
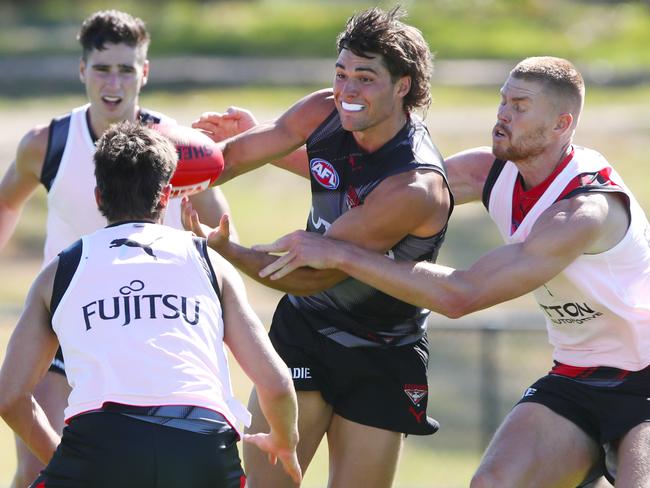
351	107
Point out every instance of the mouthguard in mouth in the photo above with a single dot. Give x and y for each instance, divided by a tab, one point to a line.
351	107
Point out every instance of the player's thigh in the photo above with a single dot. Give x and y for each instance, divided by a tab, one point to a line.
633	468
361	455
314	416
536	447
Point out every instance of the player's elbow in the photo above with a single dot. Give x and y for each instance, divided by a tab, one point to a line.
457	303
454	308
456	311
278	387
9	405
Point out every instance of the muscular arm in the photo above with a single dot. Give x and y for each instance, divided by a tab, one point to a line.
467	172
234	121
21	179
251	347
297	162
274	140
29	354
584	224
409	203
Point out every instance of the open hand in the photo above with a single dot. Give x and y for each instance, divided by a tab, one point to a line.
217	237
220	126
287	456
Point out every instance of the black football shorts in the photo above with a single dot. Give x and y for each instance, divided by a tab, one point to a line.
606	414
384	387
111	450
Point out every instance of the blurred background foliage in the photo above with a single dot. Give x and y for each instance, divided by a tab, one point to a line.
615	32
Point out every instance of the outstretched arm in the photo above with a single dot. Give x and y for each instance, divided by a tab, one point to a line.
234	121
273	140
220	126
586	223
29	354
409	203
302	281
251	347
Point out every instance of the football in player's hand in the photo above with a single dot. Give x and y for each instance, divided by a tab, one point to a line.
200	161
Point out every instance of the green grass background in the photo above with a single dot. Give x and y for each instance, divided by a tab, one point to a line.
612	32
268	202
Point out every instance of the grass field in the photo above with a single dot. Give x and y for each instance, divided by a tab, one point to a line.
610	33
268	203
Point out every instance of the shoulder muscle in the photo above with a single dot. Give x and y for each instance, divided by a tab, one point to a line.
467	172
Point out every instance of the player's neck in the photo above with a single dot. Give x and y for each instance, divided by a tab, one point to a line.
537	169
134	220
373	138
147	218
97	124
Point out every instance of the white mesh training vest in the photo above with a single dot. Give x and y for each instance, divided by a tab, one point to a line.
72	211
141	324
597	310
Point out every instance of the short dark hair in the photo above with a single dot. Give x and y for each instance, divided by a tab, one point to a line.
402	47
133	164
115	27
558	76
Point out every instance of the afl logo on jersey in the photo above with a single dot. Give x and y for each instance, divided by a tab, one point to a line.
324	173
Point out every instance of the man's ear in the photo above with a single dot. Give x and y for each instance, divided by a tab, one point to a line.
165	195
564	122
403	86
98	197
82	70
145	72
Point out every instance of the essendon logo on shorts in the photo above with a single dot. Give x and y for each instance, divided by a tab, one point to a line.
324	172
529	392
416	392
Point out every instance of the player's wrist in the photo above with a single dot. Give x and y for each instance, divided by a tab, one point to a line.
342	256
222	245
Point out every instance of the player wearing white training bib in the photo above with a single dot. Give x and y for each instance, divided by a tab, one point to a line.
153	301
143	312
113	69
68	174
596	309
